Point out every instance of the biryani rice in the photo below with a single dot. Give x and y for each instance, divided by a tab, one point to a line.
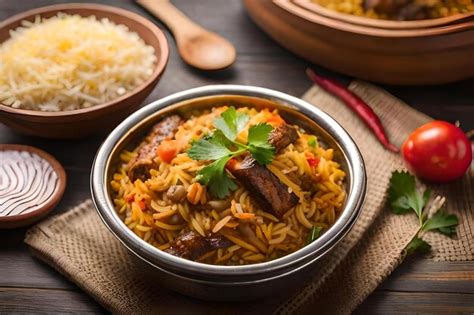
437	8
146	209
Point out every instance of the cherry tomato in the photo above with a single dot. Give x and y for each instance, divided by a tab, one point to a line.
437	151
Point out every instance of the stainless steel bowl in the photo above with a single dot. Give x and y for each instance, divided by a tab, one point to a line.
229	282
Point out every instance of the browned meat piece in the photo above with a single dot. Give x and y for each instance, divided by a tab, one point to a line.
282	136
140	166
191	245
308	182
266	189
400	9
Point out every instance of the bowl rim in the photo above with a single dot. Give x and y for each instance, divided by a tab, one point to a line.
153	28
341	25
151	254
381	23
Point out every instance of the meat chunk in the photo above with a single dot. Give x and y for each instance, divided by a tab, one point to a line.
265	188
191	245
282	136
400	9
140	166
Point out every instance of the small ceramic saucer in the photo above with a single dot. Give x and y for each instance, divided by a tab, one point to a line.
32	183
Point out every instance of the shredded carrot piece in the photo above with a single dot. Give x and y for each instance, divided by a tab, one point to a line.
245	216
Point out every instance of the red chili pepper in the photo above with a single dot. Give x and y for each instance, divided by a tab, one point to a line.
356	104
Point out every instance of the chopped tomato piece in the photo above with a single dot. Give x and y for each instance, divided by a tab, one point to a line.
130	197
275	120
232	164
167	150
313	161
142	204
245	216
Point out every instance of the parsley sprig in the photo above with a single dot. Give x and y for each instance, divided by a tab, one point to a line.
404	197
221	145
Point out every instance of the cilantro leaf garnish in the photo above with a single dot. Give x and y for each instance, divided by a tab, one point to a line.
231	122
214	176
221	145
403	196
208	149
258	144
442	222
418	245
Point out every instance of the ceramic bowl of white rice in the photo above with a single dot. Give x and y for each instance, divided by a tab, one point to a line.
71	70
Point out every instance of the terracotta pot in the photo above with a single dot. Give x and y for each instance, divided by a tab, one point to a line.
395	56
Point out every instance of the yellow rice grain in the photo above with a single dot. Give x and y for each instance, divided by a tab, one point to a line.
163	214
195	224
241	243
219	225
277	240
170	227
255	257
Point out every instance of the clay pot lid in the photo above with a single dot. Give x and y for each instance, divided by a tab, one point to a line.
32	183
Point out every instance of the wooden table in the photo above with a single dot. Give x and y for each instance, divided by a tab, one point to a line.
418	285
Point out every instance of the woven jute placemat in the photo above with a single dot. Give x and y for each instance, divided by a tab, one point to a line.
80	247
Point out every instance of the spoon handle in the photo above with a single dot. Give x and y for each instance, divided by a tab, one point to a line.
179	24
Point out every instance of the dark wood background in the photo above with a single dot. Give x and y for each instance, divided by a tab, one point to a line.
418	285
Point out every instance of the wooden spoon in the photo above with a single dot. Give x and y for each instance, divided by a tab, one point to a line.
197	46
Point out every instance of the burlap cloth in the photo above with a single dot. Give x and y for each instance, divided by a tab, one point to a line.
80	247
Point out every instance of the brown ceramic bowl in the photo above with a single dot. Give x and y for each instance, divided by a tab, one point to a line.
82	122
421	56
14	221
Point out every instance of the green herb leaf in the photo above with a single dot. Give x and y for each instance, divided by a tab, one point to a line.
418	245
263	154
218	137
231	122
208	149
403	195
221	146
216	179
443	222
258	134
313	142
313	234
258	144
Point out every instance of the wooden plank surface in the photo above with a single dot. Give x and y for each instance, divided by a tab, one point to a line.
31	300
418	285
